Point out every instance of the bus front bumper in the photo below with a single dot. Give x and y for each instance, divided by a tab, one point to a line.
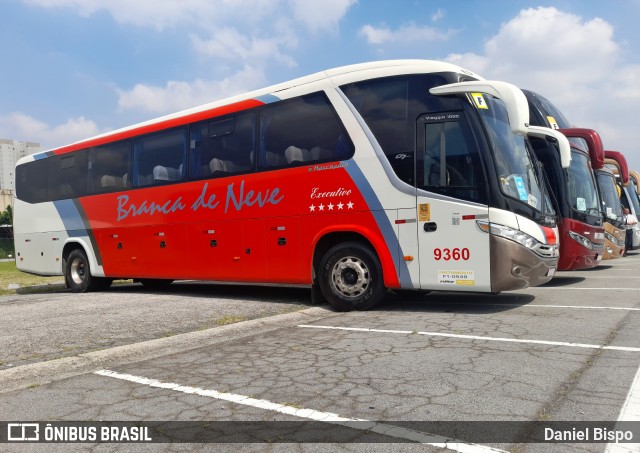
513	266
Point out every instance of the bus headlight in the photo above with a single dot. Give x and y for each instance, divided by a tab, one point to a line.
611	238
580	239
522	238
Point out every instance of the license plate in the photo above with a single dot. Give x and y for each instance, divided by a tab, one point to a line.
551	272
599	257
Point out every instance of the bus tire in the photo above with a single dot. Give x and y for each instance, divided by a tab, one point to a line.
78	276
350	277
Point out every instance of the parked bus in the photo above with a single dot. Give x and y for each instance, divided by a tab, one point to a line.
618	164
634	180
573	185
614	232
387	175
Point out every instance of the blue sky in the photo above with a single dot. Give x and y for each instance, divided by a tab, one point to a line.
75	68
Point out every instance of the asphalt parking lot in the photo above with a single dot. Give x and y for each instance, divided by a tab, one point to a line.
265	359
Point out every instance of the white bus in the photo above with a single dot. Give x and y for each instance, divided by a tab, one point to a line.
405	175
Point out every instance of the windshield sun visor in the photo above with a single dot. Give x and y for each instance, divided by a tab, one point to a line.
517	109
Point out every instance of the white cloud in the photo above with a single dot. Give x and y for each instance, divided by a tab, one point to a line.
229	44
19	126
242	32
439	14
574	62
404	34
207	14
161	14
176	95
320	15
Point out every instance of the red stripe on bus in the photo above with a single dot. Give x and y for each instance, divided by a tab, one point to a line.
160	125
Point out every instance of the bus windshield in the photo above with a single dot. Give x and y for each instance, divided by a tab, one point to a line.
610	200
581	186
517	172
632	190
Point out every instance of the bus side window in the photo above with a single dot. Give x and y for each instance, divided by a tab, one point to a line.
32	179
109	167
302	131
448	161
159	158
68	178
223	146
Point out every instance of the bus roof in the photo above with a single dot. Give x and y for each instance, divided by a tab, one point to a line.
261	96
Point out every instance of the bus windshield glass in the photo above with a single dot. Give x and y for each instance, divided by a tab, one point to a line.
633	196
581	186
610	200
518	175
551	110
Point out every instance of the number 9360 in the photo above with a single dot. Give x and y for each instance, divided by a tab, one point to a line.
451	254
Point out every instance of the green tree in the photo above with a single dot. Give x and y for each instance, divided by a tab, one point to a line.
6	216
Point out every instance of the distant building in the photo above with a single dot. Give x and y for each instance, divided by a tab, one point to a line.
10	152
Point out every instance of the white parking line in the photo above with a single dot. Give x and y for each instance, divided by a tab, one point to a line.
592	277
630	412
580	289
498	304
477	337
586	307
310	414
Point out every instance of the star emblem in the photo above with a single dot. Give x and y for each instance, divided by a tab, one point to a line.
340	206
330	206
350	205
321	207
312	208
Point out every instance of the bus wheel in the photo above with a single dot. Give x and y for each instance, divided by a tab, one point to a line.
350	277
78	276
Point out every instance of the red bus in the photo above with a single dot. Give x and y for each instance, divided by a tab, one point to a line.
573	185
413	175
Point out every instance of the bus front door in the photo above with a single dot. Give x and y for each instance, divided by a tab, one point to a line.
453	250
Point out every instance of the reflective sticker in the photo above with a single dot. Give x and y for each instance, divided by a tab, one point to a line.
552	122
522	192
461	278
581	204
478	98
424	212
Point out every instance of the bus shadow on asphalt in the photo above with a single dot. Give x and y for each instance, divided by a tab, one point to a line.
254	293
467	303
600	267
563	281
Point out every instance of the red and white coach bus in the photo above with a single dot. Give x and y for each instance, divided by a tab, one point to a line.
399	174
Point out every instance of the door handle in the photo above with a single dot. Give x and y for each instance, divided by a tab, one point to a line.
430	226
